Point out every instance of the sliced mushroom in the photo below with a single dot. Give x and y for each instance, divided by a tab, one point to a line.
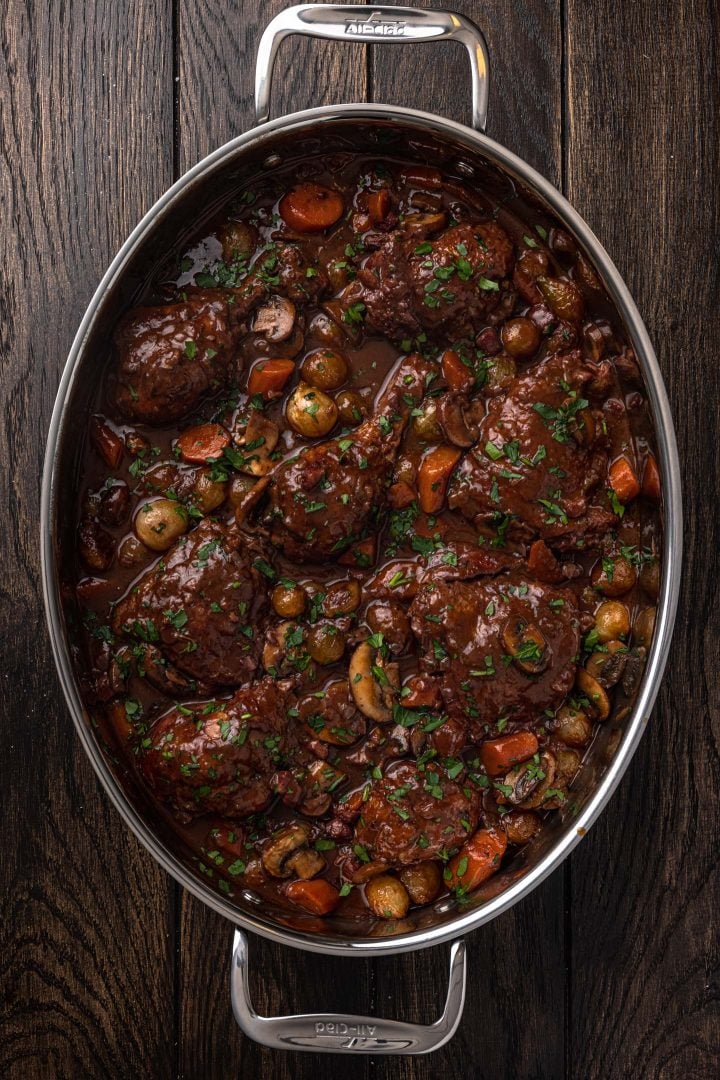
607	665
276	853
244	499
548	767
458	420
526	644
280	646
259	439
368	871
599	702
374	683
305	863
424	224
275	319
520	783
634	668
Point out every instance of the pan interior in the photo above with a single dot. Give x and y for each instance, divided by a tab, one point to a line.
163	235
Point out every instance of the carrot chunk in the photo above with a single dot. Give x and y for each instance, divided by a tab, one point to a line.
476	861
200	444
499	755
457	375
309	207
434	475
269	377
107	442
378	204
400	495
651	479
623	480
542	563
316	896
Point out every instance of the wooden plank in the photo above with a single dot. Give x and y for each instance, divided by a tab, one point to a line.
642	163
514	1017
87	917
216	58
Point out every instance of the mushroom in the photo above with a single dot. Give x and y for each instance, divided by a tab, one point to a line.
424	224
276	853
387	897
279	641
422	881
589	687
368	871
321	779
542	784
259	439
458	418
608	663
634	669
525	779
275	319
305	863
374	683
526	644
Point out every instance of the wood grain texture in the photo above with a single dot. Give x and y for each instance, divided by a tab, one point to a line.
612	967
515	1014
216	48
642	147
86	916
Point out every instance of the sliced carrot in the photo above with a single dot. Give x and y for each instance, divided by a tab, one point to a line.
268	377
476	861
434	475
360	554
420	692
378	204
107	442
651	479
400	495
499	755
311	207
316	896
202	443
542	564
623	480
457	375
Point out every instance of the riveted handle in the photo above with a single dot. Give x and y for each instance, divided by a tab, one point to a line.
336	1033
389	25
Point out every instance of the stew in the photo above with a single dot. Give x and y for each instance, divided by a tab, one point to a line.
368	541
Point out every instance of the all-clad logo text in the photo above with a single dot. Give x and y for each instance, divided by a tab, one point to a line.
367	1030
377	26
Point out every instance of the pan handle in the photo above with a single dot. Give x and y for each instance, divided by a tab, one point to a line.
333	1033
389	25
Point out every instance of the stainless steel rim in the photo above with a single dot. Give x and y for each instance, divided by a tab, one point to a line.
672	536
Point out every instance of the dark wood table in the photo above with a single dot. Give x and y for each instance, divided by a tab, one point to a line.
612	967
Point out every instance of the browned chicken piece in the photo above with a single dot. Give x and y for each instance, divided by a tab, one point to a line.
541	455
501	647
221	758
202	605
414	813
329	495
170	357
449	284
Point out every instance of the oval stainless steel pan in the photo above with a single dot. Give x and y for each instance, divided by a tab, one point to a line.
418	136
